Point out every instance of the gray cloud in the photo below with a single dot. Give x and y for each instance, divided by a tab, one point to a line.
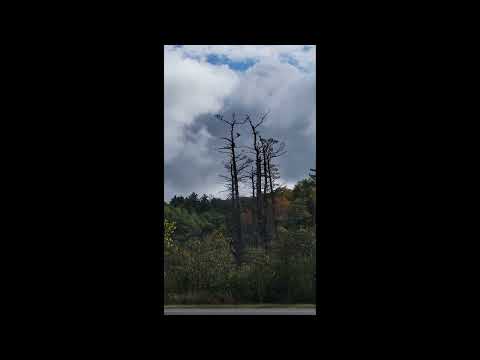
288	91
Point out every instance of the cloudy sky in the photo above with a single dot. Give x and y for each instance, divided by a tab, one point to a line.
203	80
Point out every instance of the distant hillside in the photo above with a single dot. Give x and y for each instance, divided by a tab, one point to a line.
196	217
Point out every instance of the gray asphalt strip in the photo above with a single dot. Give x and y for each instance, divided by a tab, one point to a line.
233	311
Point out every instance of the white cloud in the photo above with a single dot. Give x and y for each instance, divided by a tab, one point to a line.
191	88
283	89
301	54
282	80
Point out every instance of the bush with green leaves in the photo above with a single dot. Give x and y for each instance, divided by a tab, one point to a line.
206	265
200	267
294	266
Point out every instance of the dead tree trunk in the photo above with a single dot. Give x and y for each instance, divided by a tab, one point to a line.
265	230
234	232
273	174
230	149
237	210
259	198
272	195
251	176
260	214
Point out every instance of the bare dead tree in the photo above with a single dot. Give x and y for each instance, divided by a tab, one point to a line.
273	176
256	149
230	188
249	180
237	165
270	151
228	181
266	234
243	165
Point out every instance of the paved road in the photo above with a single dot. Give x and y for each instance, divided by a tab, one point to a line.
233	311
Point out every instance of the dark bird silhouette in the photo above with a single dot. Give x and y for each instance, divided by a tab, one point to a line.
238	134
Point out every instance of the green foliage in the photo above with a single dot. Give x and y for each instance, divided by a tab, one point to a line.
304	189
169	229
200	267
191	224
206	266
294	265
255	277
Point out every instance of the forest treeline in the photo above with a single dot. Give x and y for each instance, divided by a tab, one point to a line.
246	249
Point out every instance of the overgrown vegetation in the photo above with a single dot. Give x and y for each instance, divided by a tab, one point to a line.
256	249
201	269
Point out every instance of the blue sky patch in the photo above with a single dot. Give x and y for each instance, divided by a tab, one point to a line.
289	59
234	65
